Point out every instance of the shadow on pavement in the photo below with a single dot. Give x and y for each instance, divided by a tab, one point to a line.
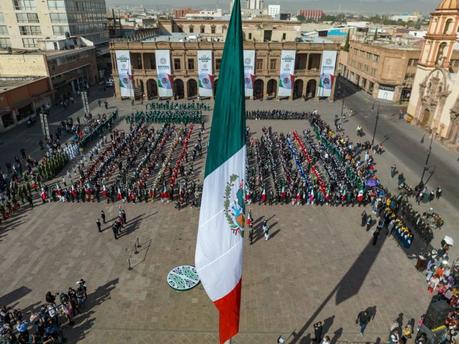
85	321
348	286
13	296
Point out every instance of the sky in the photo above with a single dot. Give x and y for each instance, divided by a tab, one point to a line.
355	6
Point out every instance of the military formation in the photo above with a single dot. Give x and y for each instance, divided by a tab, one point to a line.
275	114
166	116
318	166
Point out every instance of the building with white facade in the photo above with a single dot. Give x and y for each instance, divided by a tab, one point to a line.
24	22
274	10
255	4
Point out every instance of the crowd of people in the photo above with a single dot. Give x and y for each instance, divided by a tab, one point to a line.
166	116
25	178
171	106
45	324
442	279
319	167
140	165
275	114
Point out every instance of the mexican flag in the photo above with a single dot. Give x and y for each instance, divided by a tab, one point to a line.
219	246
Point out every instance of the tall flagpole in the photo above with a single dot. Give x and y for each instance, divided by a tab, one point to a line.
220	241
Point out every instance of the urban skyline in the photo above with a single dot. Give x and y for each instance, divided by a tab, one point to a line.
356	6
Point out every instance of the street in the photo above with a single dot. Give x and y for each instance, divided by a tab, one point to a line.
404	142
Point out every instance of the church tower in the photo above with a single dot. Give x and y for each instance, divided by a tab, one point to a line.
434	98
441	36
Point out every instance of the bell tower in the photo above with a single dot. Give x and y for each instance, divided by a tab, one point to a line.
441	36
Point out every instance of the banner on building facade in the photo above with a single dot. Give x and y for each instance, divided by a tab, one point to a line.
123	63
287	70
164	72
205	75
249	71
327	73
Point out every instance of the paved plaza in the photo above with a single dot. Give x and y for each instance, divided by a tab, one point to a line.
319	264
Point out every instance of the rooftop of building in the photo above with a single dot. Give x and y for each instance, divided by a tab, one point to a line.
10	83
265	19
184	37
449	5
49	53
401	44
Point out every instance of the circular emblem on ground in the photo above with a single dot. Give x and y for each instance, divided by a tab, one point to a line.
183	278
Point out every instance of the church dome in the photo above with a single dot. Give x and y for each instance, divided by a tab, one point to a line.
449	5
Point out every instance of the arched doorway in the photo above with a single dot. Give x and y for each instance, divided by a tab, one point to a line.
152	89
192	88
258	89
298	89
179	89
272	88
141	89
425	117
215	87
311	88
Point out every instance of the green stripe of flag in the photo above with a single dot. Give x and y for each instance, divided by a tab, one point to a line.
227	135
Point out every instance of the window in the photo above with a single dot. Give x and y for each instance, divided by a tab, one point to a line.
448	24
273	64
412	62
2	18
190	64
177	64
58	17
27	17
284	36
203	29
213	29
259	64
441	53
218	62
3	30
250	36
60	30
29	30
56	4
5	43
22	5
29	42
191	29
409	76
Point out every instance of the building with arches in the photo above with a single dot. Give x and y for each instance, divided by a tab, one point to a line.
184	66
434	103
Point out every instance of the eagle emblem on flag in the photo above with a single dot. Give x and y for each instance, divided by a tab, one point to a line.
234	205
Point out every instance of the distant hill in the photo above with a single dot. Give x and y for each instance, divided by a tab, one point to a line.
356	6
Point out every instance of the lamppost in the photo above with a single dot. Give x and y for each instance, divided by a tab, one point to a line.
376	122
341	94
426	167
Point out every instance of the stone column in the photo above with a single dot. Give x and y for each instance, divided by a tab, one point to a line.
185	89
143	62
265	91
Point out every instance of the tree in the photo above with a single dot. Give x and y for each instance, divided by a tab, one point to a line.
375	37
346	44
301	18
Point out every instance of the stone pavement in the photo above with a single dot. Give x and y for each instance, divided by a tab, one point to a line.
319	264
